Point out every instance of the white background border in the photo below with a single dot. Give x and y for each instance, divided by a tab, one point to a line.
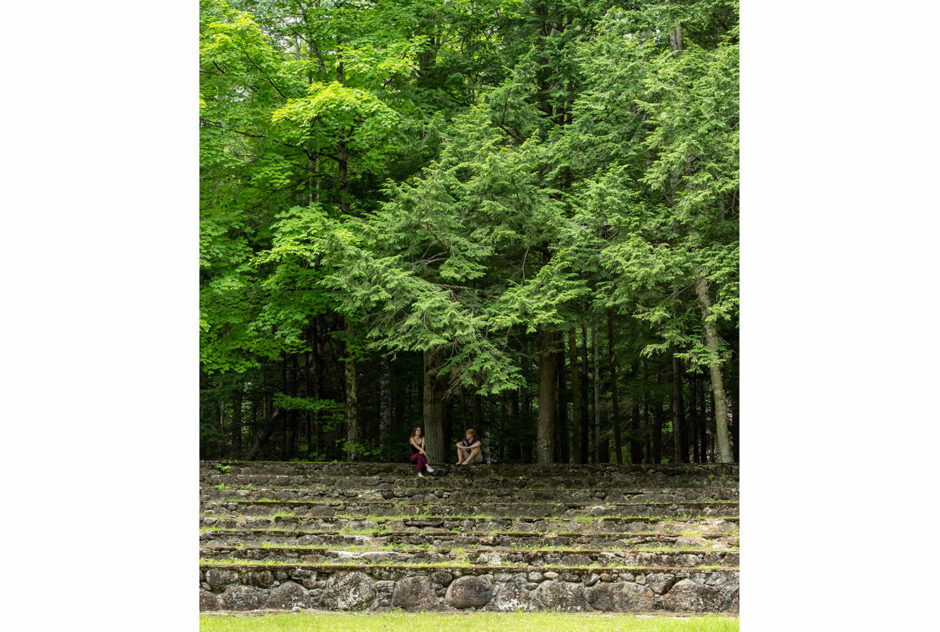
839	326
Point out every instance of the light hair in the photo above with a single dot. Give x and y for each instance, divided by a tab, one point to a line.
473	434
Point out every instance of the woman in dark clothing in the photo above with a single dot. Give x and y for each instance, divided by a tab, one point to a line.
418	456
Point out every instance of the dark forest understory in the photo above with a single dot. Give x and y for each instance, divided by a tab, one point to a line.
239	420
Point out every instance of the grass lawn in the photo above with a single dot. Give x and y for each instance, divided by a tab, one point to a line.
445	622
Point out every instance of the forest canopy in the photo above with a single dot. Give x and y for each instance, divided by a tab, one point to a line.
517	216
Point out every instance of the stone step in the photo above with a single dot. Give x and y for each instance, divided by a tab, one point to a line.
425	494
243	507
436	537
528	524
403	468
283	586
491	556
467	482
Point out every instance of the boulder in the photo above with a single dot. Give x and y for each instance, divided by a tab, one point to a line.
378	557
563	596
689	596
219	577
511	597
243	598
469	592
208	602
261	579
384	589
660	582
415	593
288	596
620	597
348	591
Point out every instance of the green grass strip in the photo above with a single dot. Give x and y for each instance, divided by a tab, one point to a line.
465	563
445	548
462	622
447	501
582	519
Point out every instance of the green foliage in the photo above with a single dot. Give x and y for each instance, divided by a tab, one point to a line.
378	180
361	449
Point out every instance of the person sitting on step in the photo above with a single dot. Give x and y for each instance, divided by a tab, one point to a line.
418	456
470	449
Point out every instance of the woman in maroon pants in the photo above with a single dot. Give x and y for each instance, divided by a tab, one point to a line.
418	456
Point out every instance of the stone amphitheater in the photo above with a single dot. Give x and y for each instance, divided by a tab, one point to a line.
279	536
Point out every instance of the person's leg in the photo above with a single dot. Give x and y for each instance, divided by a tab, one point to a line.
422	463
414	459
474	456
461	454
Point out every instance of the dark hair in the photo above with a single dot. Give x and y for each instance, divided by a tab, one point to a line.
417	428
472	433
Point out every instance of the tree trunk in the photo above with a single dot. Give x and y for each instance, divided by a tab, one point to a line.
433	407
548	386
636	444
385	405
658	431
450	406
680	448
733	426
561	427
614	398
307	383
675	39
712	341
513	419
603	447
293	419
476	418
269	426
576	413
597	396
525	411
586	417
286	415
703	427
237	424
253	424
353	428
693	413
221	429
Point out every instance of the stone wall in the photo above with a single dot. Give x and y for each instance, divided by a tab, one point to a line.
474	588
